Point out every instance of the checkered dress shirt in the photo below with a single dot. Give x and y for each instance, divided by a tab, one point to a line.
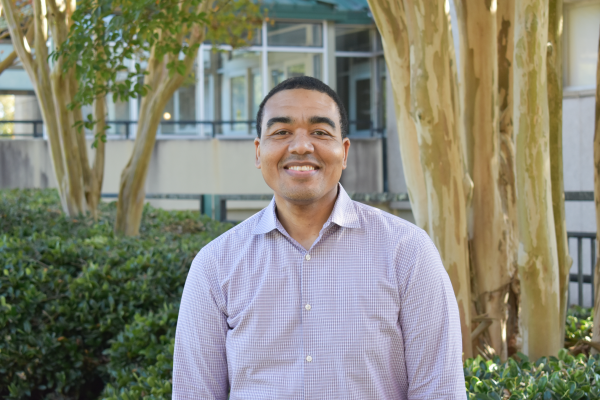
367	313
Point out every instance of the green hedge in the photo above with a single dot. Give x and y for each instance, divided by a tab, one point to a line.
85	314
68	287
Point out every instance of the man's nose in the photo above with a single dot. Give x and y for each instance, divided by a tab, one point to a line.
301	143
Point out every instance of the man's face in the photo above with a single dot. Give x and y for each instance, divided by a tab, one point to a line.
301	151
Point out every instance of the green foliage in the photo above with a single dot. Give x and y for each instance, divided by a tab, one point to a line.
579	325
141	357
565	377
68	287
106	36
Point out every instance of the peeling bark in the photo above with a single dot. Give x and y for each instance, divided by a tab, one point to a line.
537	258
434	110
505	16
555	98
491	264
596	327
390	17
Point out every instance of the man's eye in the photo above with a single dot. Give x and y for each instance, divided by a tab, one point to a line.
281	133
321	133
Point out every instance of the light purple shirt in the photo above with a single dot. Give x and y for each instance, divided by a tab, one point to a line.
367	313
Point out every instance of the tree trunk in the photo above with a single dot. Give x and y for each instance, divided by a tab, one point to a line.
596	327
162	86
538	258
488	234
97	170
390	17
555	99
54	91
505	16
433	98
133	177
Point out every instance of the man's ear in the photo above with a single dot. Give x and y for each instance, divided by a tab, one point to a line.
257	148
346	144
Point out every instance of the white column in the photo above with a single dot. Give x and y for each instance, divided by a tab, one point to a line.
265	61
325	56
200	90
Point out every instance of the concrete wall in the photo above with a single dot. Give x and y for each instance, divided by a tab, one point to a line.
224	166
578	153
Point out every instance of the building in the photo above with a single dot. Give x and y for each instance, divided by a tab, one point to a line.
205	141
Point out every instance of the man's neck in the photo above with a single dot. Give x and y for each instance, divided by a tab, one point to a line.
303	222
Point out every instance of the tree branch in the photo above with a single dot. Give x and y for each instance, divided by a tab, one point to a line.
8	61
18	38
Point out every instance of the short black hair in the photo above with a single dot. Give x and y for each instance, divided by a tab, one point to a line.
308	83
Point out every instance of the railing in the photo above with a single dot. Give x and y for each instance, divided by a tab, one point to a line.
580	277
584	249
125	128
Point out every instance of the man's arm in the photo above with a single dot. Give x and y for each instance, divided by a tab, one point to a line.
200	361
431	327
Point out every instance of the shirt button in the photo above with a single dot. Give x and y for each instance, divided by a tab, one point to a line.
308	307
308	358
307	257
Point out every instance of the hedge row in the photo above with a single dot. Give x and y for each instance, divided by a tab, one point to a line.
84	314
69	287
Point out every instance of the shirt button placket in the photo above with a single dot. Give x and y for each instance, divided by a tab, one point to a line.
307	307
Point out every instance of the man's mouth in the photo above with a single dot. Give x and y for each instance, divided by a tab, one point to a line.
302	168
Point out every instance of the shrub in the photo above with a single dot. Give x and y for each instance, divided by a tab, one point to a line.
141	357
565	377
69	286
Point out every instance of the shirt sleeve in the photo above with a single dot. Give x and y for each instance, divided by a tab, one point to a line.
200	361
430	325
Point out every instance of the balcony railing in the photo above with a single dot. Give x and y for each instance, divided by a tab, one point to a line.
125	129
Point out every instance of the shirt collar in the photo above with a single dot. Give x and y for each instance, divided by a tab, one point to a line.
343	214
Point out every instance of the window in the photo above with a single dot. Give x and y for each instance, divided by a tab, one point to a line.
295	34
288	65
354	88
582	23
353	38
232	90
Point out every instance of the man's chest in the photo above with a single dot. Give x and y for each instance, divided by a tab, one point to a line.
336	288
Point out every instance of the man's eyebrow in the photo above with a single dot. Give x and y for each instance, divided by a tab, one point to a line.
322	120
275	120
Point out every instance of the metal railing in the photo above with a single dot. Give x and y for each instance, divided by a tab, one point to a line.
584	249
215	129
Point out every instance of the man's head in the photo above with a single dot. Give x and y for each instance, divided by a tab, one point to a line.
302	146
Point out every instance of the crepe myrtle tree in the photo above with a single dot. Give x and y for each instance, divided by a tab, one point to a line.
123	49
484	159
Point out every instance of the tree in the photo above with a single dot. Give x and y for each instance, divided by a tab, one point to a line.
596	327
432	102
78	183
161	40
514	199
538	257
555	98
491	248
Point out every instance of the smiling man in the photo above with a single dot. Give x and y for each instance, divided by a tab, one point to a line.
316	296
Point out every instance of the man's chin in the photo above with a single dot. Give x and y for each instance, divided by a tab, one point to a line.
302	194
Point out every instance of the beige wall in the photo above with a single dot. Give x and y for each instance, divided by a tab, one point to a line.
216	166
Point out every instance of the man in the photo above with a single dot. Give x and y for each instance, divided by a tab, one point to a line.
316	296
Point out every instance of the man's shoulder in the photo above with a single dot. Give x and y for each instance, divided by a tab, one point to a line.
236	236
375	219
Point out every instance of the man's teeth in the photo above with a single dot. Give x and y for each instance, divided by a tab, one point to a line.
302	168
